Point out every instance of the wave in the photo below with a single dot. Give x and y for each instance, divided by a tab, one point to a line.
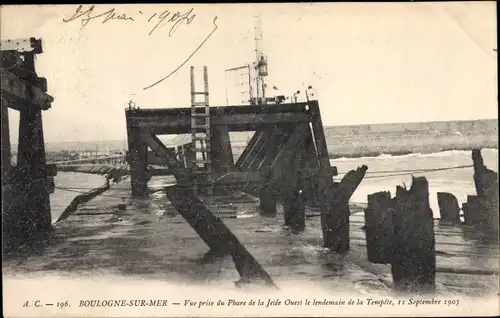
404	153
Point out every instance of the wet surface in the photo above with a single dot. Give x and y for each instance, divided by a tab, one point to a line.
150	239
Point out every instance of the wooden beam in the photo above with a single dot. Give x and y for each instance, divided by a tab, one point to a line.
246	177
256	136
21	94
234	122
216	234
221	110
288	149
254	150
220	149
292	190
161	150
259	153
311	162
325	182
276	139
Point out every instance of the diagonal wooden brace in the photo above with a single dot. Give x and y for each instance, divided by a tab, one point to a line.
161	150
216	234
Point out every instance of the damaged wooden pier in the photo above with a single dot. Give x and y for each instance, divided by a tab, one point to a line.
285	161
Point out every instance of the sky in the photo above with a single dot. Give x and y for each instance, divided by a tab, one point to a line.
367	63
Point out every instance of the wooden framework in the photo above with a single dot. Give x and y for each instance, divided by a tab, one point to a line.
26	186
286	160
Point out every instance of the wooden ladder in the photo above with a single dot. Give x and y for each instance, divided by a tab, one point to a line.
200	126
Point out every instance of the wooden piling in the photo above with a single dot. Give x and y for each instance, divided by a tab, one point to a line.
31	164
291	181
311	163
379	227
413	261
267	192
448	208
137	159
338	241
267	198
220	148
483	208
338	218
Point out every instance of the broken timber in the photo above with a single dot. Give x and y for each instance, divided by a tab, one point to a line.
285	161
400	232
448	208
481	210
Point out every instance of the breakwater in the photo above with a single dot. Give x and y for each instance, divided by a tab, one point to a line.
82	198
116	172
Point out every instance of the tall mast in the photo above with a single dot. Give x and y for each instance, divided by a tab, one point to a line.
260	62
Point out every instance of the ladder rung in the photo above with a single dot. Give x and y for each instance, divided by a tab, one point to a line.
199	93
199	104
200	114
196	121
201	138
202	161
200	149
200	126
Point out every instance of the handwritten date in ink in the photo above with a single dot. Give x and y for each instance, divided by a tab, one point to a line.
175	19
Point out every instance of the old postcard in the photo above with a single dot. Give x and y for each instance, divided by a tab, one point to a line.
307	159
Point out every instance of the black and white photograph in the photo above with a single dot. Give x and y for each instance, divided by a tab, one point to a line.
250	159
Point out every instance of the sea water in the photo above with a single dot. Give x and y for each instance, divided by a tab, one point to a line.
68	186
383	175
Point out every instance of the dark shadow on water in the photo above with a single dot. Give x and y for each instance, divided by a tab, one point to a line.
333	264
212	256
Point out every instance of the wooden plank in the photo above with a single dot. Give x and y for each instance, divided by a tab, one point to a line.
24	92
